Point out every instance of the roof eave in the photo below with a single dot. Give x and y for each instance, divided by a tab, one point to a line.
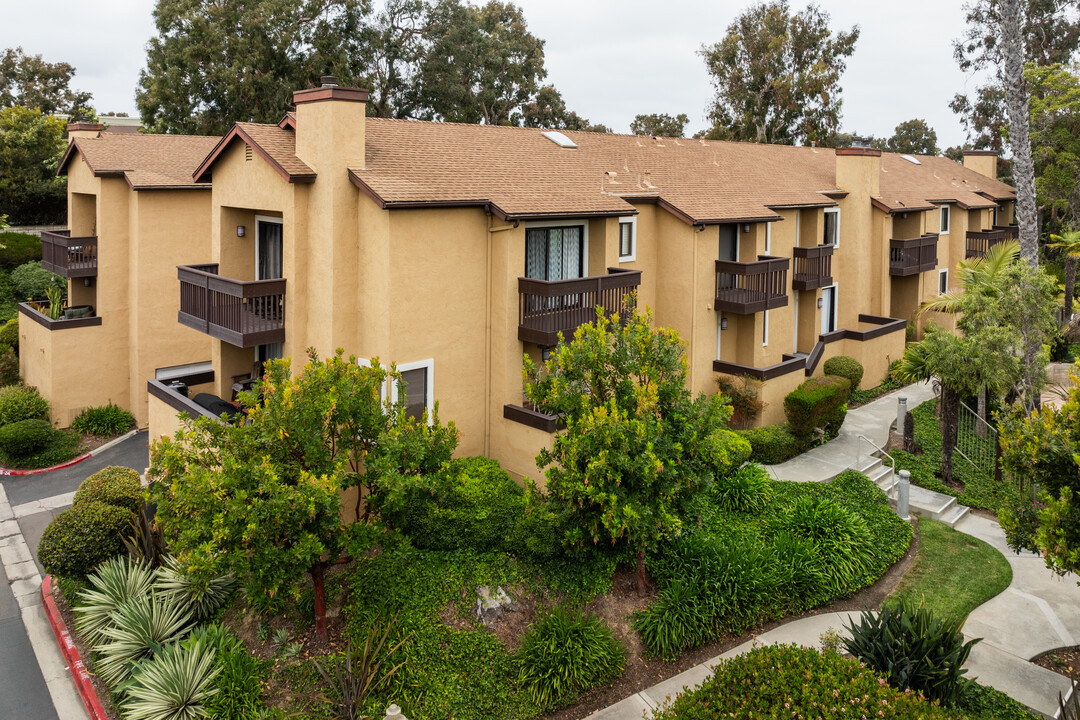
238	132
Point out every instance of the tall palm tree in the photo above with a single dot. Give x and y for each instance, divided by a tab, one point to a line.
1016	103
1070	243
976	275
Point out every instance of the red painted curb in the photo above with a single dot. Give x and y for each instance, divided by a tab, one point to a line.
61	466
71	654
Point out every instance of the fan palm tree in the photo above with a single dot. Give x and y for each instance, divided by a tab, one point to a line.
977	275
1070	243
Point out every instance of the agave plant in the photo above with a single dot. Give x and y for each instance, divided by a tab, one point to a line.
115	582
140	628
204	598
174	685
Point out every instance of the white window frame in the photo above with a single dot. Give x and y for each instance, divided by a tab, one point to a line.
429	401
384	391
835	211
632	222
270	220
765	330
583	223
768	238
944	211
945	272
835	303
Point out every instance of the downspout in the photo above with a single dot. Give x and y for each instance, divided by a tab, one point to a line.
487	332
693	305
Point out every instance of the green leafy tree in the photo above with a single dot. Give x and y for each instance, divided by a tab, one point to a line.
548	110
29	81
914	137
213	63
261	498
660	125
31	145
482	66
1050	33
630	461
777	76
1069	242
395	44
1055	146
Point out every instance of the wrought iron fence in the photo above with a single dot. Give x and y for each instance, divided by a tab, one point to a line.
977	441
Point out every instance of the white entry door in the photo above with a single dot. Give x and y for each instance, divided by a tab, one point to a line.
828	309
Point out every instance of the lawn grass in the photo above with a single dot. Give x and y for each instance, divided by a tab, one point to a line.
953	572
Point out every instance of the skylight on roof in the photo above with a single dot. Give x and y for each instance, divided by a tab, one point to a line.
559	139
911	159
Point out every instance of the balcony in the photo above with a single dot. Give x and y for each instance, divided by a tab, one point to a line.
1012	232
750	287
241	313
549	307
913	255
813	267
979	242
70	257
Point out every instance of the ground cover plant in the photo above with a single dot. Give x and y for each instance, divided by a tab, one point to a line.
953	573
106	420
27	438
970	486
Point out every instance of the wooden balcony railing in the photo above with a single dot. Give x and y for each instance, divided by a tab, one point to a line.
70	257
813	267
548	307
750	287
1012	232
913	255
242	313
979	242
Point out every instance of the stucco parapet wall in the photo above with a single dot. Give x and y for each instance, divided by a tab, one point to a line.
321	94
50	324
858	151
159	390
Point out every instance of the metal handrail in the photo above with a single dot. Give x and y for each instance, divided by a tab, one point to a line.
880	450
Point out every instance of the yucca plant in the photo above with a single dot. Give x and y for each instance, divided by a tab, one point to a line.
115	582
358	675
913	649
565	653
204	598
174	685
139	629
145	543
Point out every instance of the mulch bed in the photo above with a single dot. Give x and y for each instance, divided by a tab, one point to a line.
1064	661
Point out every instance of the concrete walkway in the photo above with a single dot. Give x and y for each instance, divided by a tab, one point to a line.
1037	612
834	457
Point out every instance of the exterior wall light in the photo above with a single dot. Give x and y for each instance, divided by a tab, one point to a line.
746	227
723	323
241	231
820	303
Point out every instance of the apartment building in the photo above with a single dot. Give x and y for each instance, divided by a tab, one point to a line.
453	250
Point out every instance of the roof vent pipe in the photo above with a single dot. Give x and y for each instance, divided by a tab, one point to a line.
329	81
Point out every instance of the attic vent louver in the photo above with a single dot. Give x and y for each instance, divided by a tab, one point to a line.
559	139
911	159
247	152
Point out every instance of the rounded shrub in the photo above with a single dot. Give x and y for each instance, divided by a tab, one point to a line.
26	437
9	334
564	654
21	402
82	537
744	491
114	485
472	503
30	281
725	451
815	404
772	444
106	420
845	366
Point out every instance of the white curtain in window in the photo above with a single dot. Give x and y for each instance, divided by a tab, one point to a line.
270	251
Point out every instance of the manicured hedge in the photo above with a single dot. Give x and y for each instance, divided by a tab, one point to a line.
816	404
82	537
114	485
846	367
26	437
772	444
20	402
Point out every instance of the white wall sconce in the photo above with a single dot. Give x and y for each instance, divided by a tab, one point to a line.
241	231
723	323
746	227
820	303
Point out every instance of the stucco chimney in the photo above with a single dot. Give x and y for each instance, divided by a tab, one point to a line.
983	162
84	129
858	170
330	127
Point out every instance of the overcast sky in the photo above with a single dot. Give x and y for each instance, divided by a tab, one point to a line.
611	60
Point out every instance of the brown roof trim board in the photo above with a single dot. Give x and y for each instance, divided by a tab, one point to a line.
892	211
981	153
224	143
288	120
803	206
322	94
61	169
858	151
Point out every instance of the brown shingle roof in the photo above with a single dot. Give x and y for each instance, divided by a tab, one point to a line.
275	144
520	173
148	162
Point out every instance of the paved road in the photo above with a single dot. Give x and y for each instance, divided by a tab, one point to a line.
23	693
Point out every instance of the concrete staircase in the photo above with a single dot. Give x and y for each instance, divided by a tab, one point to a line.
924	503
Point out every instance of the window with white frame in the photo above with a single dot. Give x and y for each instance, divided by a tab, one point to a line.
768	238
943	281
943	225
831	234
765	329
418	381
627	239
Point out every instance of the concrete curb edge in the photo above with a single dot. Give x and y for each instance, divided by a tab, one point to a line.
71	654
75	461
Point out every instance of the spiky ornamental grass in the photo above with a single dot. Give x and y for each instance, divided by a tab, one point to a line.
115	582
174	685
141	627
204	598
